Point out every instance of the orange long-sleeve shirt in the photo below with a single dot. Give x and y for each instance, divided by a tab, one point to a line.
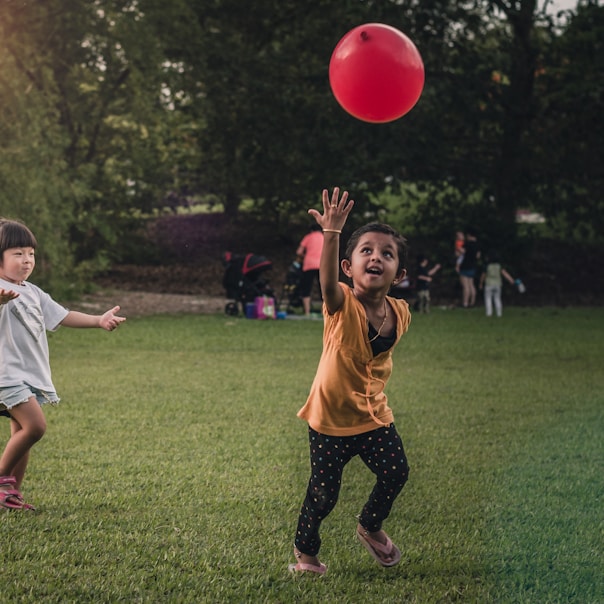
347	395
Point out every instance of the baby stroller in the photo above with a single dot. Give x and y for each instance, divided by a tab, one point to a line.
290	294
244	280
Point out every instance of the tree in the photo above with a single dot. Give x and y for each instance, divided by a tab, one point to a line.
568	181
255	78
110	105
32	186
255	81
82	82
510	179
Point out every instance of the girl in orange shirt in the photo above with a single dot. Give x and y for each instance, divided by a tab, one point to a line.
347	410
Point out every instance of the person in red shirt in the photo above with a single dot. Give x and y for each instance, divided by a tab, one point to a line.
309	252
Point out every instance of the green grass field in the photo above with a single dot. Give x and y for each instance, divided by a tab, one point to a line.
174	468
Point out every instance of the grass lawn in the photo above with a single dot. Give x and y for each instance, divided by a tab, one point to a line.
174	468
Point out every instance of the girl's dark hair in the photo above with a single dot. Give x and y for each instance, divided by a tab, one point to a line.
15	234
492	256
378	227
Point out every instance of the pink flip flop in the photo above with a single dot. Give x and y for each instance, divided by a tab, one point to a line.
301	567
386	555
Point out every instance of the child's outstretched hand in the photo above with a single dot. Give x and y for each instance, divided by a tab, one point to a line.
335	210
110	320
6	295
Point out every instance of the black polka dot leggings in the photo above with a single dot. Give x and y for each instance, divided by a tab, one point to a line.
382	452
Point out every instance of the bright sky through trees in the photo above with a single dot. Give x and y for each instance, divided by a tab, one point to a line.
557	5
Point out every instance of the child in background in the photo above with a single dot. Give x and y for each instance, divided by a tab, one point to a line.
26	312
424	279
347	410
491	281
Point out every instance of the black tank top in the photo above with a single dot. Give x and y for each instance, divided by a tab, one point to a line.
381	343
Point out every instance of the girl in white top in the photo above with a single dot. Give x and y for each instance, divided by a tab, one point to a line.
26	312
491	281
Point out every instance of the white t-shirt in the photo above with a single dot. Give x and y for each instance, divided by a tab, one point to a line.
23	344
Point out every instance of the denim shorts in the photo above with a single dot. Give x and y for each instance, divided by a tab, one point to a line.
468	272
11	396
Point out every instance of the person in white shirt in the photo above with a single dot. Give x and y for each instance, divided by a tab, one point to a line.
26	313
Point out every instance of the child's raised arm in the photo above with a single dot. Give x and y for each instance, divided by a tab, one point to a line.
333	219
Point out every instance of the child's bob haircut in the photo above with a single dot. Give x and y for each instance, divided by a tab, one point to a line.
15	234
378	227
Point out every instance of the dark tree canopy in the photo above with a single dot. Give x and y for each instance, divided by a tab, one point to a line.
111	109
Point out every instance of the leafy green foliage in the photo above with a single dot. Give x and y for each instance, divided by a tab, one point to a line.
32	183
79	87
114	110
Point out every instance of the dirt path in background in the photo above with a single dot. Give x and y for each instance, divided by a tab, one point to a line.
140	304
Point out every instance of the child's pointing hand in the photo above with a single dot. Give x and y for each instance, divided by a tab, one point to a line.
110	320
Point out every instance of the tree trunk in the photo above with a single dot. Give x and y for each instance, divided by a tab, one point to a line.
231	204
510	179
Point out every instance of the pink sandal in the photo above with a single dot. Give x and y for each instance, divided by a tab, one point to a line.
386	555
303	567
11	498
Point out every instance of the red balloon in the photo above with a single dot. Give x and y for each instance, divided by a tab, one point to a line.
376	73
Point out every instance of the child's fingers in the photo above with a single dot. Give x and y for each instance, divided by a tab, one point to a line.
334	206
326	202
335	195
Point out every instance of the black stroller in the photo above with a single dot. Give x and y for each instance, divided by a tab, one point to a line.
290	294
244	280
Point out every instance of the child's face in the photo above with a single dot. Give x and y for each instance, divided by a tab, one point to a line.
17	264
373	264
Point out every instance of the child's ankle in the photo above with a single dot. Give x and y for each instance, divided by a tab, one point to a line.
379	536
305	558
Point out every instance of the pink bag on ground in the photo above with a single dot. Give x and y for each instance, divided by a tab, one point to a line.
265	307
